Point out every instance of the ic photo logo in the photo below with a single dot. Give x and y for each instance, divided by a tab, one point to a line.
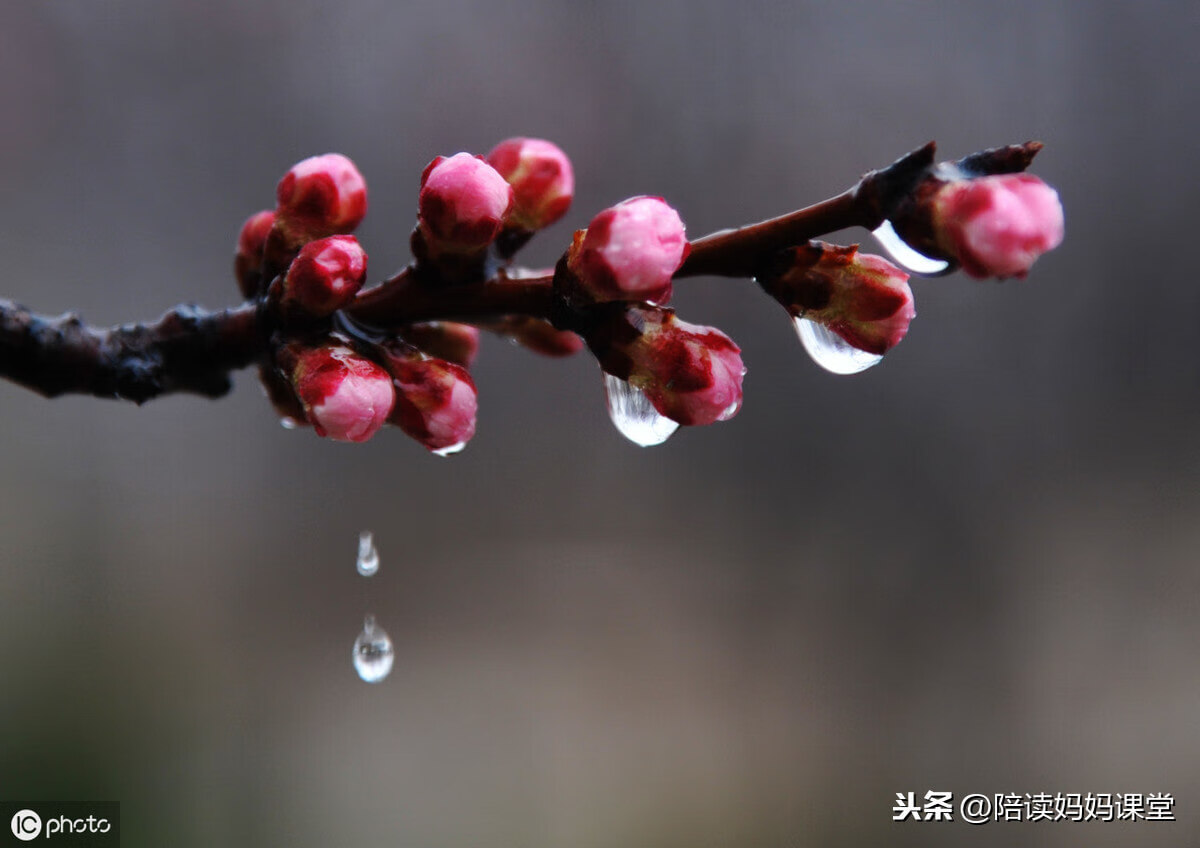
26	825
65	824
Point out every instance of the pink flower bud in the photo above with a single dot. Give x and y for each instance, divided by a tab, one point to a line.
457	343
863	298
435	401
248	260
629	252
326	275
542	179
320	196
346	396
692	375
997	226
462	204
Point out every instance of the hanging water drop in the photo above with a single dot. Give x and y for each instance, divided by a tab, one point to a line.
288	423
368	557
905	255
373	652
831	351
634	415
450	450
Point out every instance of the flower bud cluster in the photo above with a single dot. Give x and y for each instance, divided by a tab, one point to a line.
347	396
320	197
609	290
302	260
469	205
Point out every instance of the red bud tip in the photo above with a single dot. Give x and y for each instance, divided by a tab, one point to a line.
542	179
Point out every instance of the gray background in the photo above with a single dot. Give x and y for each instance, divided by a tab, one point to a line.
973	568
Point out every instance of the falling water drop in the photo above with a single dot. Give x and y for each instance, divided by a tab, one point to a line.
373	652
368	556
633	414
905	255
830	351
450	450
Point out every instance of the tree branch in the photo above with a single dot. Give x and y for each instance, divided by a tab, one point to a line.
407	298
193	351
187	350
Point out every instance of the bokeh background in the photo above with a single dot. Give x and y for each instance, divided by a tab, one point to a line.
973	568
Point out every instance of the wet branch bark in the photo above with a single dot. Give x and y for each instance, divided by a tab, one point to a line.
186	350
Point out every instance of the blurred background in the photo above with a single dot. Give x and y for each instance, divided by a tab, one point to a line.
973	568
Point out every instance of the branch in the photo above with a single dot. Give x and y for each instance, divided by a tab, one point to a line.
190	350
408	297
186	350
743	252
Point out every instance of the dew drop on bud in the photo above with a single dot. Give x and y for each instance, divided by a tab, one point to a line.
450	450
633	414
373	652
368	558
288	423
831	351
907	257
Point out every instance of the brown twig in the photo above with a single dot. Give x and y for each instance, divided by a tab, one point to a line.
187	350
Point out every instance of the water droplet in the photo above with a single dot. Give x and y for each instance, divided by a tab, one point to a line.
288	423
905	255
373	652
450	450
633	414
368	557
831	351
